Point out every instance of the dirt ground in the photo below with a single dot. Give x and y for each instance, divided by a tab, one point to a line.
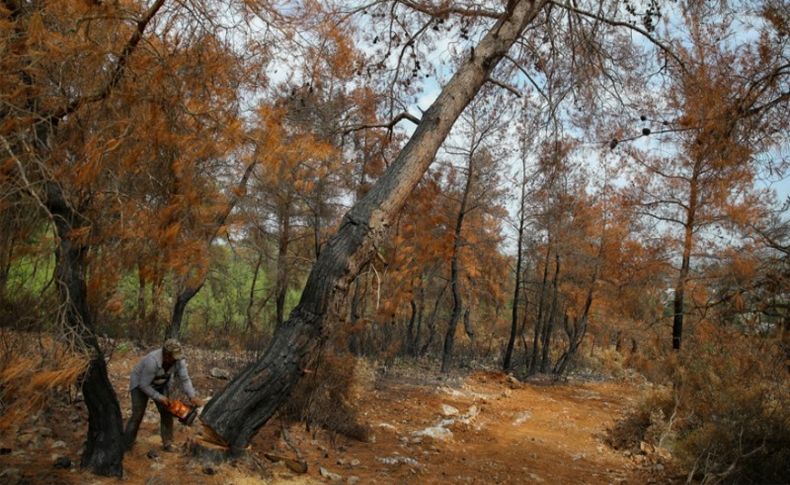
479	429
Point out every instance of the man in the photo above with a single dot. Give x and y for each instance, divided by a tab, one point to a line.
151	379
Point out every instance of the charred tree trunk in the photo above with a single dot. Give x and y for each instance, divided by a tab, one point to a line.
469	328
248	325
410	331
533	363
282	262
680	287
354	340
548	329
449	338
415	344
236	413
579	330
103	452
432	322
517	289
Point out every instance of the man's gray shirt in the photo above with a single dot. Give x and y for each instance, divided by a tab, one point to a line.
150	369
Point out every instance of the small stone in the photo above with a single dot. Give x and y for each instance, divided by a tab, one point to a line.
58	444
448	410
218	373
27	440
354	462
63	462
521	417
352	480
435	432
332	477
152	455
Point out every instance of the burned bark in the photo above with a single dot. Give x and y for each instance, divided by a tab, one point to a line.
539	320
103	452
248	402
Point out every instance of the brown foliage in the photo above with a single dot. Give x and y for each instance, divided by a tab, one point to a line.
32	372
325	397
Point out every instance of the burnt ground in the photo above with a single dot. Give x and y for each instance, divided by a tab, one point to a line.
480	428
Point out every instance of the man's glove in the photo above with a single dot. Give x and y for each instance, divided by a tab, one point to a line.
197	402
164	401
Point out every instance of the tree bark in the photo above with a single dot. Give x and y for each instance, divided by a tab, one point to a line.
415	344
103	452
282	261
688	241
248	324
410	330
506	363
247	403
548	329
533	363
449	338
432	321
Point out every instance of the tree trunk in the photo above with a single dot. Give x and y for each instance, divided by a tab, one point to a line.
182	299
103	452
449	338
533	363
432	321
680	287
468	327
410	330
248	324
247	403
548	329
420	309
282	261
517	287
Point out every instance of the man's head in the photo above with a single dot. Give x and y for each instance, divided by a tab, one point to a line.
172	350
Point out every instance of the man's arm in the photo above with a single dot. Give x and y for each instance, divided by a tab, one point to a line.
183	377
146	378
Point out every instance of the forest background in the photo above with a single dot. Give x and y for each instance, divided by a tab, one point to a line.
612	194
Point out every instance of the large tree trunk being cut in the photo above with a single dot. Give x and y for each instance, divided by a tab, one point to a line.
237	412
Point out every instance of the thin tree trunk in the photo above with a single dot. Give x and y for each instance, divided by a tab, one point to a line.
680	287
282	261
409	347
548	329
420	309
236	413
517	288
449	338
248	325
533	363
432	321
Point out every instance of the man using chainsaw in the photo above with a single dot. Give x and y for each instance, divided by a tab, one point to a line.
151	379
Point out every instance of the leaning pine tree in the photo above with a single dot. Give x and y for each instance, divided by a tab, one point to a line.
247	403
